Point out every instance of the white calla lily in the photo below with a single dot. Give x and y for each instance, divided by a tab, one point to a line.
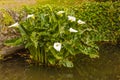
14	25
80	22
57	46
71	18
72	30
60	12
30	16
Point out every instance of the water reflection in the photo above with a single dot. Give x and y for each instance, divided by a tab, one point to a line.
50	74
107	67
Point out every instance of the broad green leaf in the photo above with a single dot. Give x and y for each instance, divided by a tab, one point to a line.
56	54
52	61
34	39
69	48
13	42
66	63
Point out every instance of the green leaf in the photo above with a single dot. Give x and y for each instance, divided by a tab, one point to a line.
69	49
94	56
23	31
52	61
56	54
13	42
66	63
28	44
34	39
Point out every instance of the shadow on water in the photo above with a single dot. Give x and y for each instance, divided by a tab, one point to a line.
107	67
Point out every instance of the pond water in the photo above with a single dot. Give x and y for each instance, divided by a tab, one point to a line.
107	67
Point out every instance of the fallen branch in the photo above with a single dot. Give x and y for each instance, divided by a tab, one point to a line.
8	51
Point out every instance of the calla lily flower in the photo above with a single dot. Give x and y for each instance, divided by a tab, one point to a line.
14	25
60	12
80	22
57	46
71	18
31	16
72	30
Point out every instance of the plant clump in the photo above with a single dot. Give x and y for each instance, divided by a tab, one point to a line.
54	35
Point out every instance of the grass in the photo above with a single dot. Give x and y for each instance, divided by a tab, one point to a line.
62	2
20	3
15	3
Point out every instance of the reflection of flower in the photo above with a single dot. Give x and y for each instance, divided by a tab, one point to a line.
60	12
80	22
30	16
14	25
71	18
57	46
72	30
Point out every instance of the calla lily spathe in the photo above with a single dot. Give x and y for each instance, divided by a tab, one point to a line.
57	46
72	30
30	16
71	18
80	22
60	12
14	25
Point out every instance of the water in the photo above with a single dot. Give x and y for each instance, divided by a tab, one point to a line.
107	67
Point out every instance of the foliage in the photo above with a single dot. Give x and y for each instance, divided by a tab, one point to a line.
102	17
51	25
106	0
5	17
